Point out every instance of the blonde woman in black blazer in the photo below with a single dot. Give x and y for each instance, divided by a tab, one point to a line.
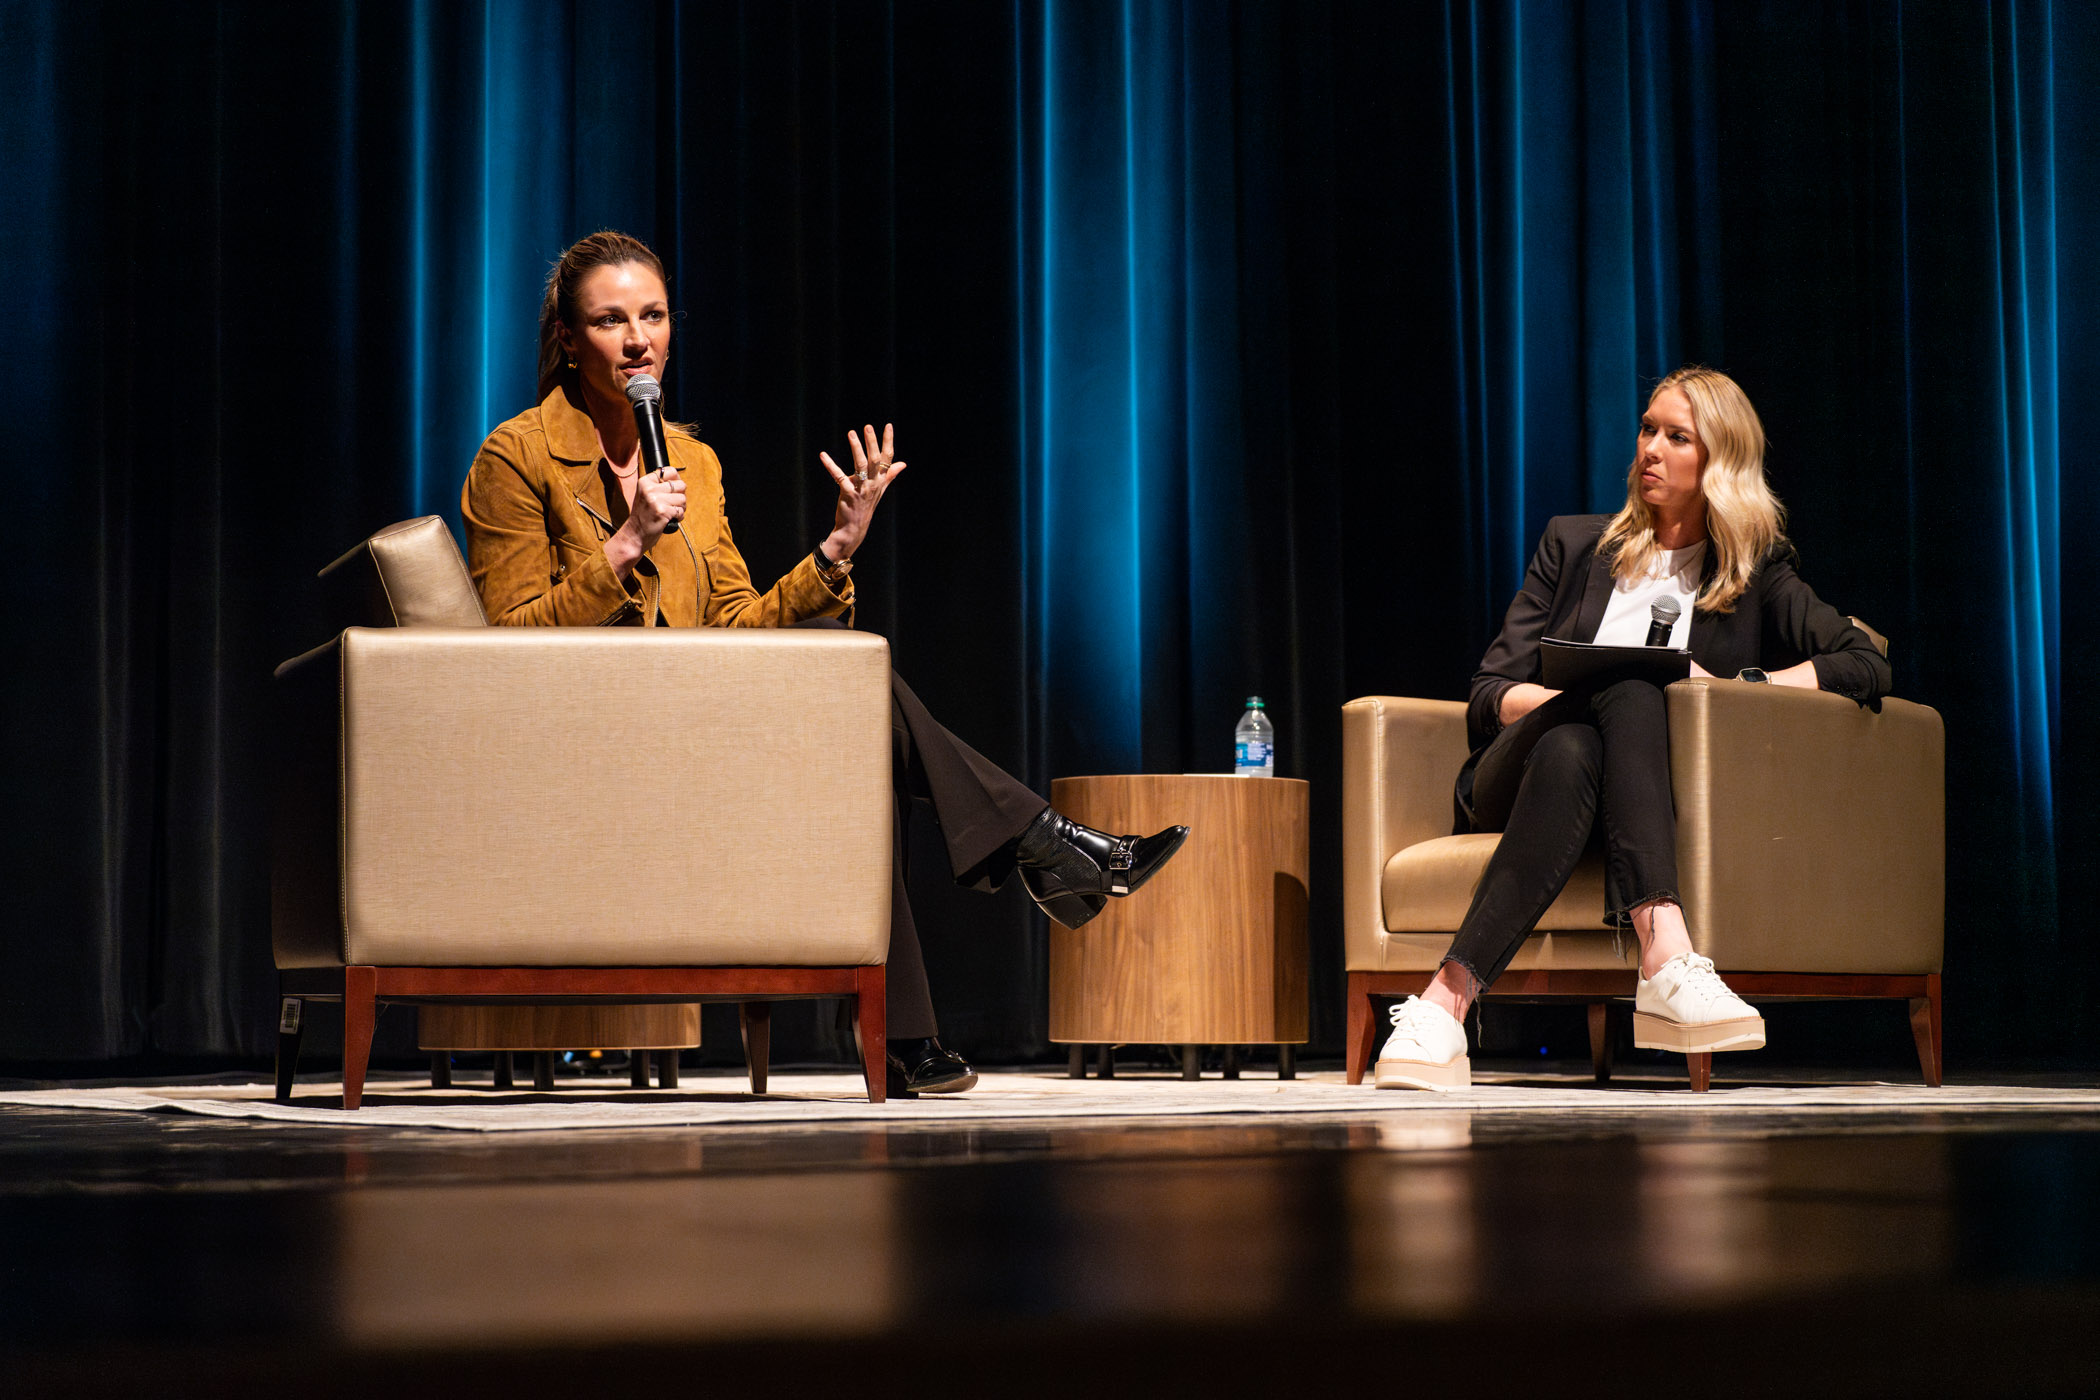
1550	769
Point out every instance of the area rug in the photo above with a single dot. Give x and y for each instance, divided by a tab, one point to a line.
722	1099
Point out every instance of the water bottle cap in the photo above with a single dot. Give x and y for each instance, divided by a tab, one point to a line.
1254	703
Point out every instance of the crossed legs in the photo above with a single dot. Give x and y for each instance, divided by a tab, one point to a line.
1547	783
1579	767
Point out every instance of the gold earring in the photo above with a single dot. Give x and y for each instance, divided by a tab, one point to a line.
572	364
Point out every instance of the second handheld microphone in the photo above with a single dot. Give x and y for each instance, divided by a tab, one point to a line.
647	396
1662	617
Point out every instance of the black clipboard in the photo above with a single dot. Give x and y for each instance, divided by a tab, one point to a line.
1575	665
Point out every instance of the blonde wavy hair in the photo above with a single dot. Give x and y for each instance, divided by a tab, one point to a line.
1744	520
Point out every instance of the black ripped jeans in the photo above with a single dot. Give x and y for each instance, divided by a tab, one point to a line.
1543	783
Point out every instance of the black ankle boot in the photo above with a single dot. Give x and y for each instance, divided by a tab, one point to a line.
927	1067
1072	870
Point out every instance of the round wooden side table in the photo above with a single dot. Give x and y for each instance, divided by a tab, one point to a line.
1213	950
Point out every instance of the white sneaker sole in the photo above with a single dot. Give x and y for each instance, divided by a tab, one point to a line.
1420	1074
1651	1032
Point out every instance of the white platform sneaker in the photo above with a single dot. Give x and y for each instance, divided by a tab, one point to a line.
1686	1007
1427	1050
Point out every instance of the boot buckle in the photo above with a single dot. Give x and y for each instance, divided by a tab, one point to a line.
1120	861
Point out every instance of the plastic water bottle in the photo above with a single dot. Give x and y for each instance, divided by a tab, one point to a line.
1254	742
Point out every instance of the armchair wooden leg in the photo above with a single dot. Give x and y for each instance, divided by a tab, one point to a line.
667	1069
637	1069
291	1024
757	1021
1361	1030
1600	1040
506	1075
1702	1068
360	1009
1925	1030
871	1028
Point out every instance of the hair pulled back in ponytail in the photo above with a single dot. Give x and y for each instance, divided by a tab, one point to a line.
605	248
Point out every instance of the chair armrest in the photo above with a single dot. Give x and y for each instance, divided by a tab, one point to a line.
1811	833
1399	759
578	796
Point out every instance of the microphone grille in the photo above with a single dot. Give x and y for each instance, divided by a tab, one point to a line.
1665	609
643	388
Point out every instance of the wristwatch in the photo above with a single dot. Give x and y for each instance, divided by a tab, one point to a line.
1753	675
833	573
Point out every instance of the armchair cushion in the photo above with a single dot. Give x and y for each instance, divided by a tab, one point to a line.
1430	884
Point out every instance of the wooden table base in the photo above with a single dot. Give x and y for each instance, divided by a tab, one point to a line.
1192	1057
1213	950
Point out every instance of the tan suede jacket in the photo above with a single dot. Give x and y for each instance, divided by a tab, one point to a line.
538	515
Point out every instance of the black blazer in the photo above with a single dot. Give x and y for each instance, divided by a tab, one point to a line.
1777	623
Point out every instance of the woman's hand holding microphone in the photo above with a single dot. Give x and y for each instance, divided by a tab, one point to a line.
659	499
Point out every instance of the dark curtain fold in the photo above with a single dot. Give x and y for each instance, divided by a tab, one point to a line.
1236	348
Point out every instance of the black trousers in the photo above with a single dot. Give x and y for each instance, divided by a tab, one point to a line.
981	810
1544	782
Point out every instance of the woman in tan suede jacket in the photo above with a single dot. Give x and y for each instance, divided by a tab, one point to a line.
564	528
540	506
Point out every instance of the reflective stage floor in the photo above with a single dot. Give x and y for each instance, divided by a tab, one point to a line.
1436	1251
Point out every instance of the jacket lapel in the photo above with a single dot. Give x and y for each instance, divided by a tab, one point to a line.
1596	596
1705	624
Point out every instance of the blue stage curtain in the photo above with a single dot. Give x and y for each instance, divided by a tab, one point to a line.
2029	388
1580	177
1236	348
1129	356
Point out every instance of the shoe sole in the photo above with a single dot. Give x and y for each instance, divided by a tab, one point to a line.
1071	909
1652	1032
947	1086
1420	1074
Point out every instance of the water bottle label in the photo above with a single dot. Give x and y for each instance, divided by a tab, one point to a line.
1254	753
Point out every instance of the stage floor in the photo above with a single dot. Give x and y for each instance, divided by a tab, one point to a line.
1602	1248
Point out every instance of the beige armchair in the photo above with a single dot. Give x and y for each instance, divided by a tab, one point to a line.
474	816
1811	850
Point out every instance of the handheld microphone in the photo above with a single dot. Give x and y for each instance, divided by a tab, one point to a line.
647	396
1662	620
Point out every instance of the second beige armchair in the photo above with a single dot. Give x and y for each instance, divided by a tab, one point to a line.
1810	841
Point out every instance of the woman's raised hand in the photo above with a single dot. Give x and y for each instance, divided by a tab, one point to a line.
875	466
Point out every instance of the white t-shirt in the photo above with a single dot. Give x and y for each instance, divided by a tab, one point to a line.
1675	575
